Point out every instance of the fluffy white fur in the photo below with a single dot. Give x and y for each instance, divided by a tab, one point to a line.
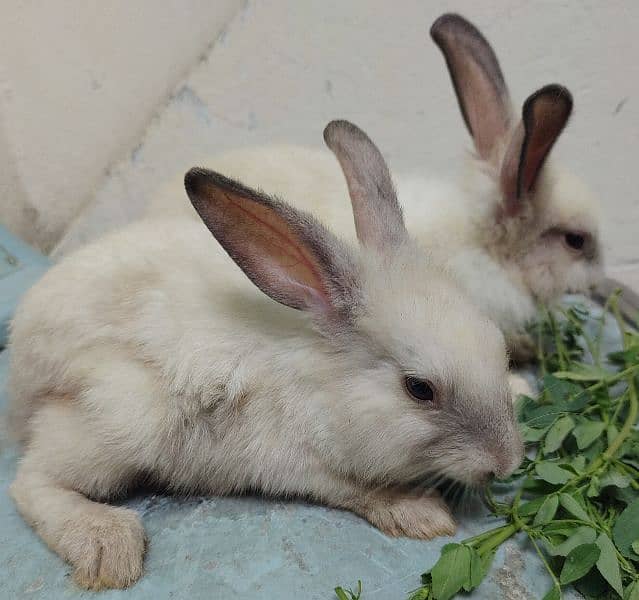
502	230
507	269
149	357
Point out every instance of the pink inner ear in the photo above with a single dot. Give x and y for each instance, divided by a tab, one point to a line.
272	253
487	116
547	121
545	116
510	172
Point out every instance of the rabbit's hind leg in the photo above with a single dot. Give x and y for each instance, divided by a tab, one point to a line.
60	470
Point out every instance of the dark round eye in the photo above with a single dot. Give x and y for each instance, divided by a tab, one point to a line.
420	389
575	241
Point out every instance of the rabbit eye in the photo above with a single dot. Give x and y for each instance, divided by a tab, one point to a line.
576	241
420	389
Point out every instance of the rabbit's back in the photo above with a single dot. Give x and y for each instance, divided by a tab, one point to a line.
161	295
308	178
453	221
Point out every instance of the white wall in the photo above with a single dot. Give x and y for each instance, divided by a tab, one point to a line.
80	81
281	70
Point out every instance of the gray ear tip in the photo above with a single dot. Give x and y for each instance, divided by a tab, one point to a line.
450	23
553	91
559	91
337	129
195	178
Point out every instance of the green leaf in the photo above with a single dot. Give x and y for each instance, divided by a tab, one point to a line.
340	593
532	434
632	591
579	463
552	473
487	561
594	450
607	563
584	372
587	432
559	391
626	529
349	594
635	546
583	535
578	402
451	572
573	507
560	528
593	487
543	416
578	562
547	510
615	479
553	594
531	508
557	434
479	567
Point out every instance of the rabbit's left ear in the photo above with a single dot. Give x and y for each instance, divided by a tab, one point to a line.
544	116
286	253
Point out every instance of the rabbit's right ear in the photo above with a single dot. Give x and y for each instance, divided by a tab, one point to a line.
481	91
287	254
544	116
379	222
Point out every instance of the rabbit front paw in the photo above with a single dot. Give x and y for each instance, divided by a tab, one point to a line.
411	514
106	549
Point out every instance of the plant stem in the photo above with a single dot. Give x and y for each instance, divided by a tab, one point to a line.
633	408
543	560
602	322
501	534
558	342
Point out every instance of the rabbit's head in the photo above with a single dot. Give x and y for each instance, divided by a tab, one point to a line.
418	387
541	220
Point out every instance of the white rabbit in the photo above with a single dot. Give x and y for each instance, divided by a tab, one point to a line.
149	356
517	232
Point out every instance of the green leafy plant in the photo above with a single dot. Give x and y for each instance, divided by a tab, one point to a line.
577	497
343	594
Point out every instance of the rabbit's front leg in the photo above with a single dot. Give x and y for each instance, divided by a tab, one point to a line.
403	512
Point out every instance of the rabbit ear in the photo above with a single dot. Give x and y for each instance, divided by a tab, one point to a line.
378	217
544	116
481	91
287	254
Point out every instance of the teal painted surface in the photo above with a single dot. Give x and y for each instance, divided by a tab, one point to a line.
20	267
